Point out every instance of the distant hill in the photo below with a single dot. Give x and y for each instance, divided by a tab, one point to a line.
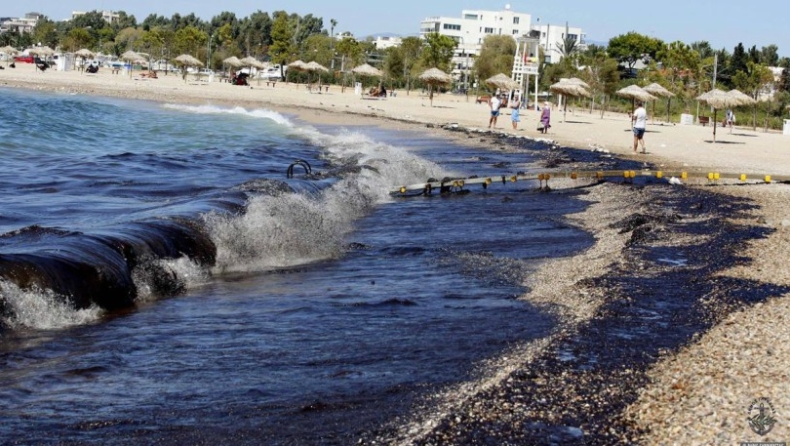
597	42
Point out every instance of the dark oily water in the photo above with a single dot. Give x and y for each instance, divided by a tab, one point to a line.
234	305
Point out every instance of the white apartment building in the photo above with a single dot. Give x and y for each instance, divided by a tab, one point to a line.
474	26
24	24
384	42
552	38
108	16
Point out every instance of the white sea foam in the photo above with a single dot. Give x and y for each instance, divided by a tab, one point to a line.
294	229
212	109
185	271
42	309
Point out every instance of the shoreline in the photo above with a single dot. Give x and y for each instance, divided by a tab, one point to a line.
675	405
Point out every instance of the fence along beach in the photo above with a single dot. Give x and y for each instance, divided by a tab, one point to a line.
691	395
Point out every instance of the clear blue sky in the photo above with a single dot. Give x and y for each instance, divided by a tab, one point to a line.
723	23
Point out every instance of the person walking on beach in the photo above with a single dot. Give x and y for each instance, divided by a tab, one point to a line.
545	117
729	121
514	115
494	103
639	119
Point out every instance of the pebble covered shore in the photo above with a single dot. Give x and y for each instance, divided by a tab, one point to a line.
664	341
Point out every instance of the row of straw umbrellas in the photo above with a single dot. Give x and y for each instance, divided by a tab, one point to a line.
717	99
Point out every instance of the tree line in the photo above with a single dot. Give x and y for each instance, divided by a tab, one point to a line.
685	69
278	38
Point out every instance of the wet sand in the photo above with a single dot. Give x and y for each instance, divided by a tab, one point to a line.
726	349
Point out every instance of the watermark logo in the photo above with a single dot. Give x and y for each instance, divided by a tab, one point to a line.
762	416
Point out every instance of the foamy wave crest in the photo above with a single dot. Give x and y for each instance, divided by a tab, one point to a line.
211	109
395	166
275	232
175	275
295	229
41	309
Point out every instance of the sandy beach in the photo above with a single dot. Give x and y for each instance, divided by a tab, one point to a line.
699	394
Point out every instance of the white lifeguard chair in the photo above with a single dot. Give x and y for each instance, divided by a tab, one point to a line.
525	64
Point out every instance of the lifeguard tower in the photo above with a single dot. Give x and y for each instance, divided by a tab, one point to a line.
525	65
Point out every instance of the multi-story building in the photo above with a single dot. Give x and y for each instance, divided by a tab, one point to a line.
474	26
24	24
384	42
108	16
552	38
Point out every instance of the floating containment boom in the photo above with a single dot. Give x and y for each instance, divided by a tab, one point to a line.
455	185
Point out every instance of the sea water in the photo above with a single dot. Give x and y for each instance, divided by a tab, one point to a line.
162	280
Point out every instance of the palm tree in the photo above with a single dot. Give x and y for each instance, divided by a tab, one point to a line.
567	45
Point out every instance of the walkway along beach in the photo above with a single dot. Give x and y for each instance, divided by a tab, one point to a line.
700	359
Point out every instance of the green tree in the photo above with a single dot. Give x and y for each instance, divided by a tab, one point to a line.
305	27
496	56
739	60
317	47
784	81
752	81
92	20
78	38
124	21
282	41
679	61
153	21
189	39
769	55
394	64
255	32
127	38
438	51
567	46
45	32
349	50
411	48
180	22
632	47
703	48
153	42
600	72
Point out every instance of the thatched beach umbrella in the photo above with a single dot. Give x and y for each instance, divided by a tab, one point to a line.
131	57
84	54
718	100
635	92
567	87
502	81
315	67
367	70
657	89
296	65
233	61
435	77
187	60
8	51
252	62
577	81
42	52
742	98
